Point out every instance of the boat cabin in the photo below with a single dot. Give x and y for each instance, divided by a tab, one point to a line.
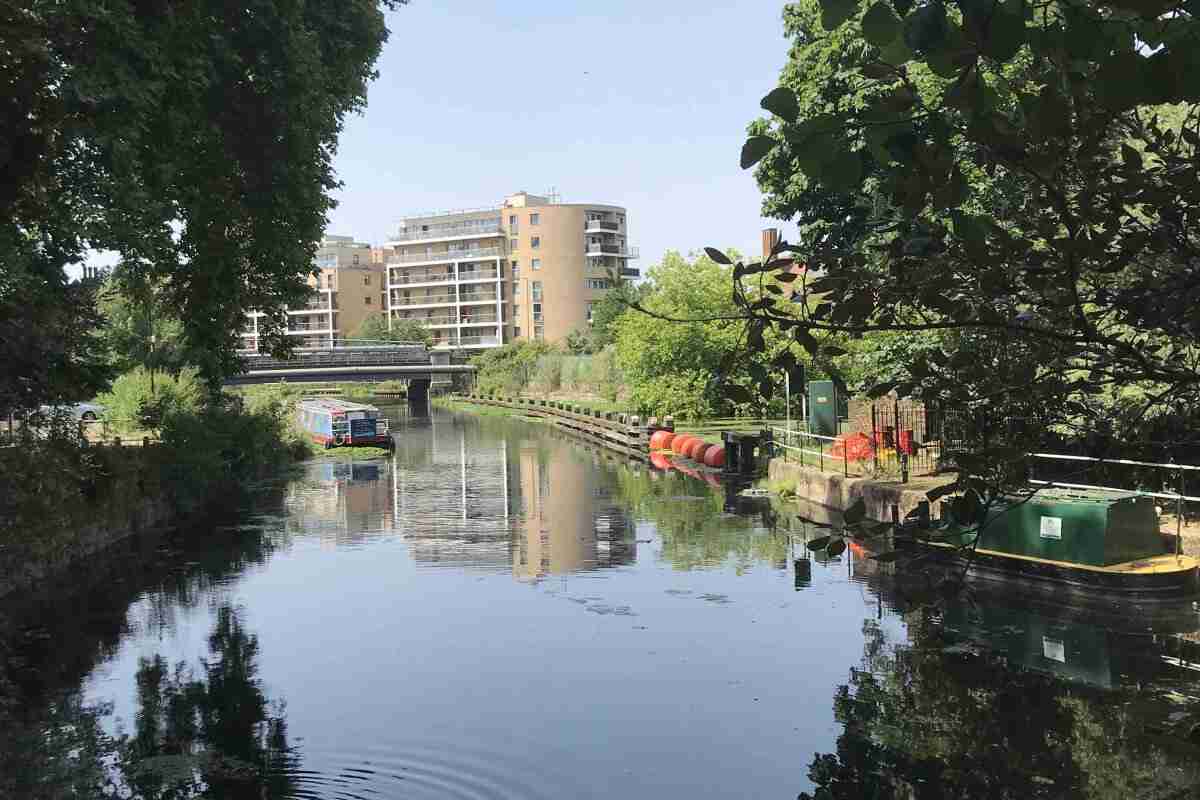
340	423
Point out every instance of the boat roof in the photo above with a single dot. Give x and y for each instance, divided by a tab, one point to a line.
333	405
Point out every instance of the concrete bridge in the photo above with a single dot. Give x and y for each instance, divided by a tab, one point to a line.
413	364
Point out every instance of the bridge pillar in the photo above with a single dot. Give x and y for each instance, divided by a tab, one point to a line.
418	391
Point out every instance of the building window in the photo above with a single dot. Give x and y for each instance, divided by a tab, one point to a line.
516	290
517	335
516	311
536	291
366	280
367	300
621	218
512	220
535	242
513	243
535	219
356	259
595	283
589	313
535	263
539	332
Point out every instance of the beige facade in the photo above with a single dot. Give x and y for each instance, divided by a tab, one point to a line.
529	269
348	286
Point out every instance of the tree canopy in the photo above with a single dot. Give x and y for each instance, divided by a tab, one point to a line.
193	139
375	328
1018	179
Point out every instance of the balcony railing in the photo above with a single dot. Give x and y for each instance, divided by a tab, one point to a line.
444	319
467	341
424	300
401	277
445	255
479	319
478	275
471	297
620	251
630	272
601	226
444	230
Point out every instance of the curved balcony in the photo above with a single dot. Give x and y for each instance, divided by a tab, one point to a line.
611	250
601	226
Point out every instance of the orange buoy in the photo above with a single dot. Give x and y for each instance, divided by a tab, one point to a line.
696	451
661	440
715	456
680	442
660	461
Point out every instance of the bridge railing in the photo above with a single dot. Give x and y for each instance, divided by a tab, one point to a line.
343	357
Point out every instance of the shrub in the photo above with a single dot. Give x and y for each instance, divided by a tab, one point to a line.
131	405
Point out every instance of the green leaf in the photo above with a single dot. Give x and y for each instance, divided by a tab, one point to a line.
880	25
1005	32
782	103
843	172
925	28
833	351
717	256
786	277
878	70
754	149
835	12
935	494
880	389
1131	157
886	558
856	512
897	52
836	547
820	543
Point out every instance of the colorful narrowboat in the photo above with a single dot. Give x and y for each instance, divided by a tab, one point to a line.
340	423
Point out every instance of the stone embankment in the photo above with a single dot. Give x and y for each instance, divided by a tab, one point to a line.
836	491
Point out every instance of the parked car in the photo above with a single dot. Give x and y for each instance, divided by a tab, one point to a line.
83	412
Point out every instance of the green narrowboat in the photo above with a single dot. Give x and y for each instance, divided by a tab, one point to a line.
1084	539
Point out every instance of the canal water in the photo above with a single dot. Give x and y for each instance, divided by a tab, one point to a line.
500	611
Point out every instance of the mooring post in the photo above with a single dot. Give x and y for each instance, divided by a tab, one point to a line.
1179	518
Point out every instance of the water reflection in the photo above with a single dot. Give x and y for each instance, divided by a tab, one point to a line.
688	645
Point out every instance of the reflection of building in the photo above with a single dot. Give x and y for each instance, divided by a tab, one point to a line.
468	494
347	289
344	501
451	485
568	523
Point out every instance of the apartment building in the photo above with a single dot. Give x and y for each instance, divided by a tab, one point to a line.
530	268
348	286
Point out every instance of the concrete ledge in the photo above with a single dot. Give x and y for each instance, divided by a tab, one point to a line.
837	492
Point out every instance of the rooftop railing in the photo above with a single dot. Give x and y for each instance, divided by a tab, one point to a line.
442	230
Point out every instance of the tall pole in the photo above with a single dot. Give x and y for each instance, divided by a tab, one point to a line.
787	384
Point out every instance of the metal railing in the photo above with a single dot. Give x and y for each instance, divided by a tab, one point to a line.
424	300
398	277
478	275
444	255
473	297
620	251
441	230
796	445
601	226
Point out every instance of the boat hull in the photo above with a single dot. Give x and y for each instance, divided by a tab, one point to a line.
1165	576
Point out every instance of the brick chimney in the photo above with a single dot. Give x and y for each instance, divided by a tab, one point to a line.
770	238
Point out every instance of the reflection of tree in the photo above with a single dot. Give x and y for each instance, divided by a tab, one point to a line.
933	721
688	516
211	735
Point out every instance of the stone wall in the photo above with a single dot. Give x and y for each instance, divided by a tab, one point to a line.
835	491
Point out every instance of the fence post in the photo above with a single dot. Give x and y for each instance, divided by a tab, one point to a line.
874	437
1179	518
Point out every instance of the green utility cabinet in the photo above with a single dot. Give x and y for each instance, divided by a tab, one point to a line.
1094	528
822	408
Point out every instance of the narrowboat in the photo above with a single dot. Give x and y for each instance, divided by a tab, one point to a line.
1075	540
340	423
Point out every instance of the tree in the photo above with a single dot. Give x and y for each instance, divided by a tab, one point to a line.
194	139
704	365
375	329
609	308
1004	175
139	330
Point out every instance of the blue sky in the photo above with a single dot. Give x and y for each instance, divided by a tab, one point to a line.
640	104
